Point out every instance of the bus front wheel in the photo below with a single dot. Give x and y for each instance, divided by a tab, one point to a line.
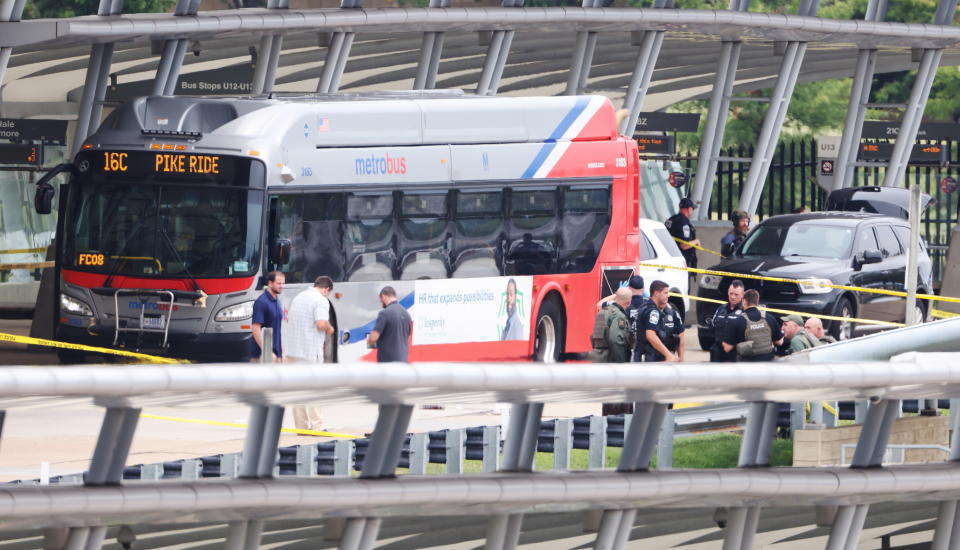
548	338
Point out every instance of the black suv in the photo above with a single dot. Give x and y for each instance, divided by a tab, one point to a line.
844	248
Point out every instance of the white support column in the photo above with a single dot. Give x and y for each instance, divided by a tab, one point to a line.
171	60
859	96
106	467
871	447
431	47
716	121
910	125
754	451
772	125
338	53
638	444
503	531
383	455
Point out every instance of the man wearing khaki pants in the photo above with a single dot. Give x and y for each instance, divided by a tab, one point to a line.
309	325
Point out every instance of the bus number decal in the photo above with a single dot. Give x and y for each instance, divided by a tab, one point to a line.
90	259
114	162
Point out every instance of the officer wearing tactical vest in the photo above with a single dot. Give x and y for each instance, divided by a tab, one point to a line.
753	335
661	327
611	331
722	317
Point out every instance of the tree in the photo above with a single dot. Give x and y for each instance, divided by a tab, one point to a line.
36	9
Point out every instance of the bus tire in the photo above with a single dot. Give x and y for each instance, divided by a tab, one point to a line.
548	343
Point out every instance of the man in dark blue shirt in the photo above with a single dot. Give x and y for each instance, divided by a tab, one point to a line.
391	333
268	312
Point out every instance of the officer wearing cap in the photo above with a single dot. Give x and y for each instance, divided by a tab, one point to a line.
680	227
730	241
797	338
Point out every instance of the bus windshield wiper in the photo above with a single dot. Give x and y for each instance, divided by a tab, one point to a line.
201	301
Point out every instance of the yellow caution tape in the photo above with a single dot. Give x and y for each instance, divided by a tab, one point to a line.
940	314
4	337
898	293
800	313
697	246
827	406
24	251
28	265
239	425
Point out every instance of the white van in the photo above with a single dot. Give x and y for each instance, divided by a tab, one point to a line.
657	246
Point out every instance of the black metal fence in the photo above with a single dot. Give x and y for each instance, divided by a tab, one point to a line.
792	184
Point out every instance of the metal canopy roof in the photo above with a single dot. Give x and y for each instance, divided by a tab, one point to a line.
722	23
44	76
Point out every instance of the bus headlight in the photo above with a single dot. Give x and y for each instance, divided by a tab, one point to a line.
236	312
815	286
710	282
74	307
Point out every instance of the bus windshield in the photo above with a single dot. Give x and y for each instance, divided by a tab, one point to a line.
148	228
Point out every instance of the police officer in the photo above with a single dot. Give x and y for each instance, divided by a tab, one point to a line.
618	327
795	336
680	227
730	241
754	335
637	304
722	317
663	330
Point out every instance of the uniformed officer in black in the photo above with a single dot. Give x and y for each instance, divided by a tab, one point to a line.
680	227
761	330
722	317
662	326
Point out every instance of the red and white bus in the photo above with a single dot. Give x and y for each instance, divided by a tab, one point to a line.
499	221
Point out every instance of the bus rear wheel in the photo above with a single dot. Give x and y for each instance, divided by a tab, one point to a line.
548	342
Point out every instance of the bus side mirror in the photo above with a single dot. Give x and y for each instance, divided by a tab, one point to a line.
43	198
281	252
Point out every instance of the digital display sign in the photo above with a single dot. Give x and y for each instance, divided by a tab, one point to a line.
929	153
91	259
15	153
168	163
161	165
656	145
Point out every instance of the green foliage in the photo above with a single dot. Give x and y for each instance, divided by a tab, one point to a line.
35	9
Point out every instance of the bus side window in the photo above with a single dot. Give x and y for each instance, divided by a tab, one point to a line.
369	237
476	248
423	237
586	219
313	223
533	231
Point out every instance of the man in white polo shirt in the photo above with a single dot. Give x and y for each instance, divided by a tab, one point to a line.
309	325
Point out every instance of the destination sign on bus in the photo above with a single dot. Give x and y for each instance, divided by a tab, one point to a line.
163	163
170	163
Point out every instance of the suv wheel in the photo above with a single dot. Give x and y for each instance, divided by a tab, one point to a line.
706	338
843	330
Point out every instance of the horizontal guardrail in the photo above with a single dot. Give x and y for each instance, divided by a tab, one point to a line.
450	447
913	376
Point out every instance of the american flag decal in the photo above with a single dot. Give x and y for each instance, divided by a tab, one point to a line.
323	124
